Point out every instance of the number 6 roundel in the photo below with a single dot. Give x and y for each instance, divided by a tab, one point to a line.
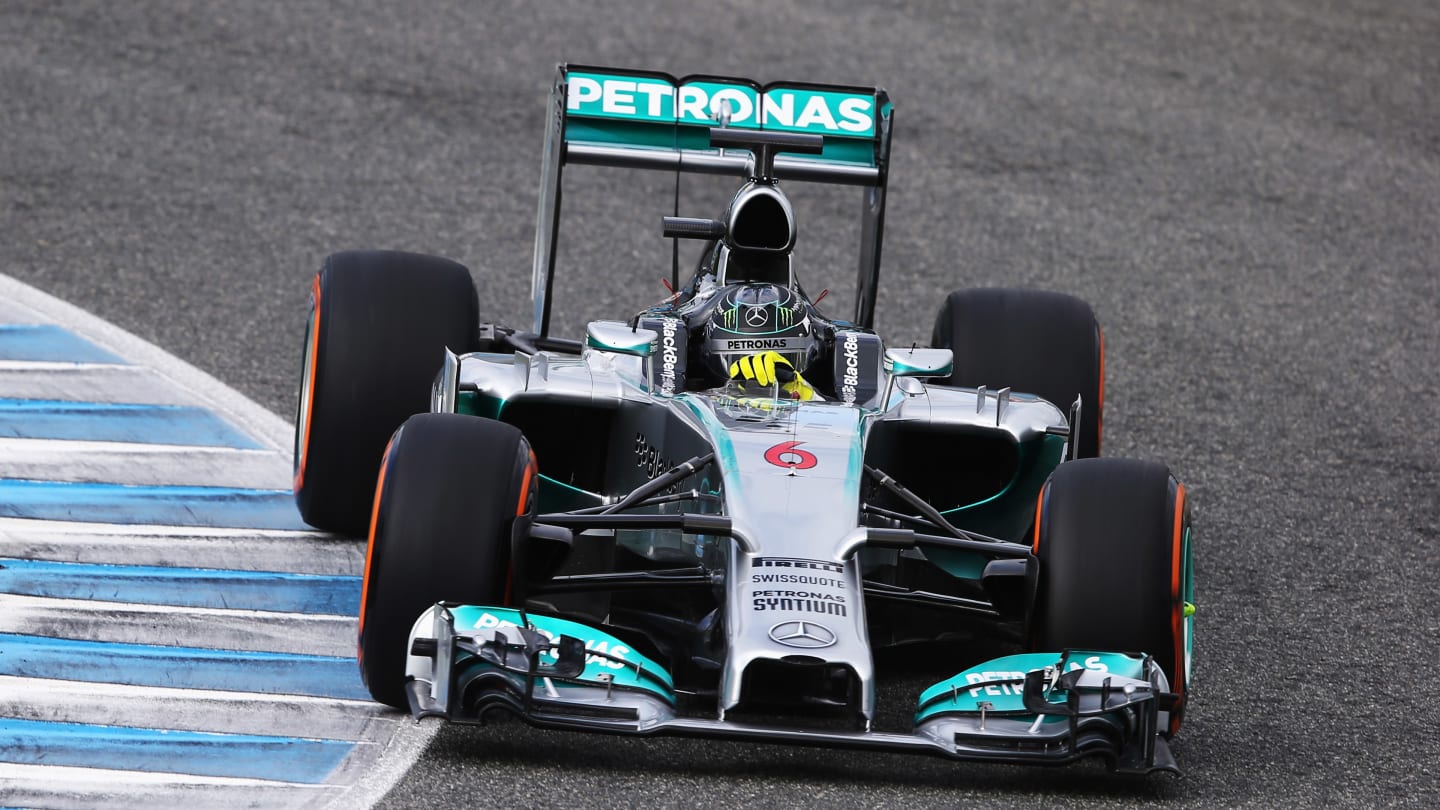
790	456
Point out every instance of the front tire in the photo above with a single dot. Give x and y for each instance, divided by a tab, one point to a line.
1113	540
1033	341
379	325
450	489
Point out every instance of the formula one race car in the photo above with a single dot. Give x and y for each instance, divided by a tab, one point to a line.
704	520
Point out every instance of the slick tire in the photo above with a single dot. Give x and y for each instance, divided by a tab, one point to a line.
1113	540
450	489
379	324
1032	341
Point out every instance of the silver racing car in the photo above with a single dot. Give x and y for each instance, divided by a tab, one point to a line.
707	518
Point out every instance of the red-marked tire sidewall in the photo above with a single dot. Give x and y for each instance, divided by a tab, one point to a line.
445	506
1112	539
379	324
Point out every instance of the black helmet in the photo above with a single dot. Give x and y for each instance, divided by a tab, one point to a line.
751	318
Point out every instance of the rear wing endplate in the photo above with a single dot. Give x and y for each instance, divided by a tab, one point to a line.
650	120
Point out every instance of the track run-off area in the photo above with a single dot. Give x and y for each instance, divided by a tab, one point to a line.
170	632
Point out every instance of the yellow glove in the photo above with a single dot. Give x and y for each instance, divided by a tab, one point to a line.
769	368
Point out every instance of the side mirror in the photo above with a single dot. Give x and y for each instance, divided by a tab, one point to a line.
620	338
919	362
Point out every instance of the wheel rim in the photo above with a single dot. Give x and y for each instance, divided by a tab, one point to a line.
1187	601
1184	596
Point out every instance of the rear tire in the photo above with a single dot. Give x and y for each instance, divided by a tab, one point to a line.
379	324
1113	539
1032	341
450	489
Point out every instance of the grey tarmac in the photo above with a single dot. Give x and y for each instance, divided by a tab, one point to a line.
1248	193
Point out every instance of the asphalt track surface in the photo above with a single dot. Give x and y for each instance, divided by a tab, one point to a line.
1248	193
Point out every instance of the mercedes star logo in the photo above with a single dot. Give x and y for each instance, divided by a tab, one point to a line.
805	635
756	316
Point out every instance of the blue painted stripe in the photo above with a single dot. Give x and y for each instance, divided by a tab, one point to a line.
183	587
49	343
219	507
106	422
180	667
285	759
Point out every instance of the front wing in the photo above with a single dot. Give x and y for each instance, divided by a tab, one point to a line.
1034	708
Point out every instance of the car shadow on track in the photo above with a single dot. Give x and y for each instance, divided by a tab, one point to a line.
571	764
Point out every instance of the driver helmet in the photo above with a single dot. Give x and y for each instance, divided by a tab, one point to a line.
752	318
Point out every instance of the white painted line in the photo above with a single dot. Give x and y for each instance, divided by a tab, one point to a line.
69	369
46	700
386	770
158	378
142	464
65	788
182	546
89	383
43	528
207	628
210	392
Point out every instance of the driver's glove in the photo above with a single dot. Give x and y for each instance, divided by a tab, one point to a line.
768	368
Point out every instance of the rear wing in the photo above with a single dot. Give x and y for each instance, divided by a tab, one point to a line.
650	120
